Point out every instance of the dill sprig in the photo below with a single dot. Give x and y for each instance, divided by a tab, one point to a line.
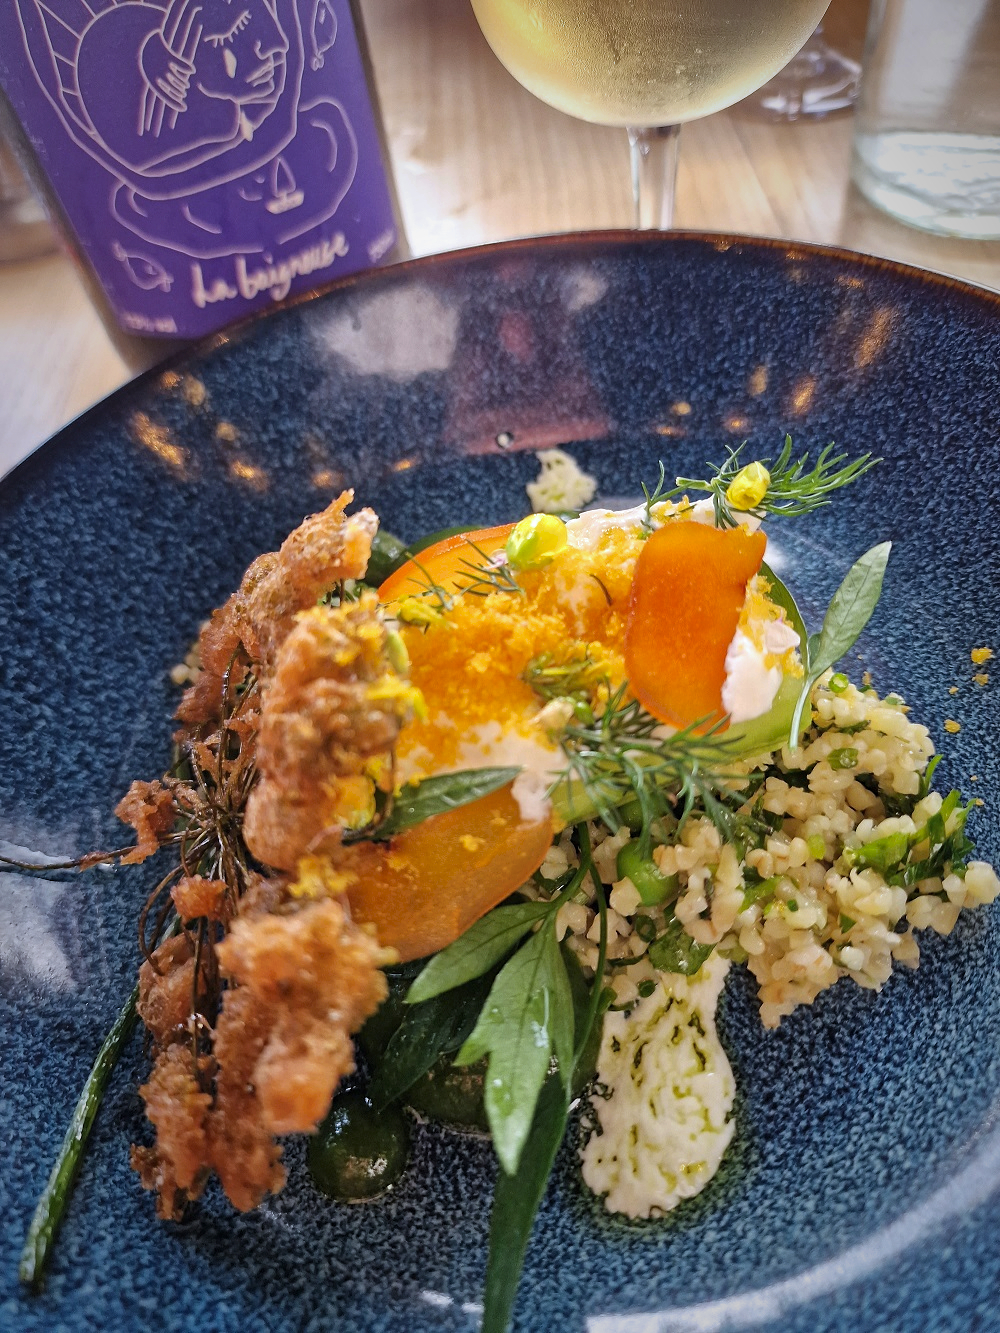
488	575
475	578
789	487
575	676
659	492
623	755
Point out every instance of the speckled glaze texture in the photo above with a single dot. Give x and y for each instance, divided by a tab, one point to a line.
862	1190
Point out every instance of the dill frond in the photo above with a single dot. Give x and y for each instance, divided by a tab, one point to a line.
475	578
575	676
793	487
487	575
623	755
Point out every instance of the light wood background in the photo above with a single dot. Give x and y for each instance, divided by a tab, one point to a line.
478	159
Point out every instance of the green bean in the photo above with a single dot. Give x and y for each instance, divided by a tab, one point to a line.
56	1195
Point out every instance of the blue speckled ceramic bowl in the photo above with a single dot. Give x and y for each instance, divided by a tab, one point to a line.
863	1187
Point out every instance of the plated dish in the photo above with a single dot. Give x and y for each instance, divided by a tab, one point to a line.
593	393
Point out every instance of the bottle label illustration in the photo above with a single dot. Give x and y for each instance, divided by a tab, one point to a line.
211	156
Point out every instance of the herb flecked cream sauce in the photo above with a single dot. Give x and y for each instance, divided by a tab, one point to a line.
664	1097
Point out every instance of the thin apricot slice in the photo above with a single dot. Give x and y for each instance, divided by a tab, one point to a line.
446	563
431	882
688	590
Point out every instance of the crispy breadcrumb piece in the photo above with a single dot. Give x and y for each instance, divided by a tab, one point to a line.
302	977
178	1106
335	704
195	896
149	808
243	1151
322	552
315	975
253	1006
166	990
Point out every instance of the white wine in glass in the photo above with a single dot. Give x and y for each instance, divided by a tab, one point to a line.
647	65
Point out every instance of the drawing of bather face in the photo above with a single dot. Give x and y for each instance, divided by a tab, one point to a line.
198	110
241	49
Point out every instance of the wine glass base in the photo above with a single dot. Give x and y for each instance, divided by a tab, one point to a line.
25	231
816	82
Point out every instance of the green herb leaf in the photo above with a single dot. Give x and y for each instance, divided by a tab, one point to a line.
518	1195
881	854
676	951
563	1011
844	758
387	554
586	1032
851	607
527	1017
516	1201
622	757
434	796
781	596
754	893
793	487
485	943
849	612
427	1031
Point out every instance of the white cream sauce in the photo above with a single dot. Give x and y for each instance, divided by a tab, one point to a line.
489	746
664	1127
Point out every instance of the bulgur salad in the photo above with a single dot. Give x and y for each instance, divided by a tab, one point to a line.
474	830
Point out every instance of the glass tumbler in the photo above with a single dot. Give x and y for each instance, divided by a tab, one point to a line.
927	126
24	228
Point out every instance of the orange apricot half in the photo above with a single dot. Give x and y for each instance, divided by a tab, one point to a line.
431	882
688	590
446	563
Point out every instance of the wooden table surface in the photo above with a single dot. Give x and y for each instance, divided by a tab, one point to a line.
478	159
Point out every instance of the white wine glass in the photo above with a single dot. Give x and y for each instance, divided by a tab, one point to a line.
647	66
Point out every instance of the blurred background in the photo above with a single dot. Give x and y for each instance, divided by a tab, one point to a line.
477	159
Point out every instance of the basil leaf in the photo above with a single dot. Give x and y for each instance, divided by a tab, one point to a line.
387	554
427	1031
586	1034
850	610
519	1194
851	607
487	941
518	1029
781	596
676	951
516	1202
563	1022
434	796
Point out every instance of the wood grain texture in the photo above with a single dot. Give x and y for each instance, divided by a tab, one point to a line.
478	159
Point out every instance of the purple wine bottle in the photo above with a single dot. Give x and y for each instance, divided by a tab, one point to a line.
203	158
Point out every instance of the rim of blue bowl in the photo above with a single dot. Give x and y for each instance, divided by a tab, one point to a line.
556	241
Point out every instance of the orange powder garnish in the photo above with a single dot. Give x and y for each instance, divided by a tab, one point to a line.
470	666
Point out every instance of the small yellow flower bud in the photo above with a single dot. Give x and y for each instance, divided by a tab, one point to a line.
536	541
419	611
748	487
395	651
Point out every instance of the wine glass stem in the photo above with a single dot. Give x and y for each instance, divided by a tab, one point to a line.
654	174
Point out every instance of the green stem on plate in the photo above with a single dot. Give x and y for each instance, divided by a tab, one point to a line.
517	1197
55	1197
